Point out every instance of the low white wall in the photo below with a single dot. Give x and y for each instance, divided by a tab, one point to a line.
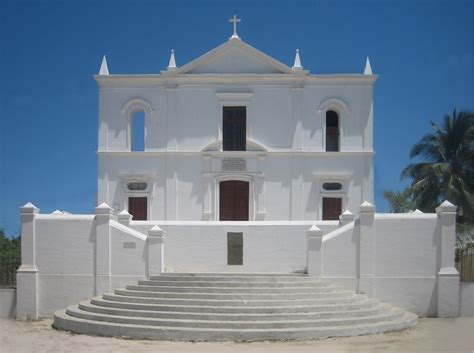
202	246
467	299
65	254
401	262
339	255
7	303
406	259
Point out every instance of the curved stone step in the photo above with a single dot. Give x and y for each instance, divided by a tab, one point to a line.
239	277
78	325
363	303
233	284
199	289
390	315
230	274
218	307
379	309
351	298
317	293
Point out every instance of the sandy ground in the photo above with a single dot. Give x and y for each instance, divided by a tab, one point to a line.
431	335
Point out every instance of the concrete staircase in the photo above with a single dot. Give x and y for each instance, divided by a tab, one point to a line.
238	307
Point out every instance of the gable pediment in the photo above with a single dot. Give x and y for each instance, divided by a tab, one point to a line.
234	57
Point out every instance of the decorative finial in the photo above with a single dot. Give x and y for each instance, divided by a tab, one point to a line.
172	63
104	70
235	20
368	68
297	64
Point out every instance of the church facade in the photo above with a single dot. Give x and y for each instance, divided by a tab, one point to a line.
235	135
236	168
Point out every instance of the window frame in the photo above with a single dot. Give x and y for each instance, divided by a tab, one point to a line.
237	143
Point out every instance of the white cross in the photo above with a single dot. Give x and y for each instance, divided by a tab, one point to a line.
235	20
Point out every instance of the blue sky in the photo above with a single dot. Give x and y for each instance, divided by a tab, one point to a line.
49	50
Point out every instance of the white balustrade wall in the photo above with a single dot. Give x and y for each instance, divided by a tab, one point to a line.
403	259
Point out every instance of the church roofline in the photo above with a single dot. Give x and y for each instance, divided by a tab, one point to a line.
232	42
125	79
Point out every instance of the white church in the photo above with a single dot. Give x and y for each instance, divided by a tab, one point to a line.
235	202
235	135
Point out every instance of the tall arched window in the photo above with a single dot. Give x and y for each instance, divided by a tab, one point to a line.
137	124
136	111
332	131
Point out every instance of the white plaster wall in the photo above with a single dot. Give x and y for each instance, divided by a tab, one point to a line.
405	255
186	117
65	258
340	255
406	259
292	184
202	246
192	113
7	303
129	255
467	299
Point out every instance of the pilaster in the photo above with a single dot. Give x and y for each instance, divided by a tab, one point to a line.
27	274
314	258
124	218
156	254
366	249
103	216
448	276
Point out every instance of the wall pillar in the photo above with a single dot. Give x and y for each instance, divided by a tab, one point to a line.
156	251
366	249
260	181
448	276
345	218
103	216
314	237
124	218
27	274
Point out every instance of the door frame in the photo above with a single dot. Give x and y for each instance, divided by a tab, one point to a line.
240	177
334	196
137	195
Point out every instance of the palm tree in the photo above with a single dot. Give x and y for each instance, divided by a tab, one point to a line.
447	169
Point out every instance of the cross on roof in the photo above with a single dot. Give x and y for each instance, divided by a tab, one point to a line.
235	20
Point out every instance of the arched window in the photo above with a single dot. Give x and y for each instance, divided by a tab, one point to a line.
332	131
137	124
137	111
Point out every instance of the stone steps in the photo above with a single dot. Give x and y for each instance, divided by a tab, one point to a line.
250	290
235	284
317	293
392	314
346	299
219	307
374	310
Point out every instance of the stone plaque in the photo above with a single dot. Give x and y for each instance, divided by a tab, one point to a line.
235	244
234	164
129	245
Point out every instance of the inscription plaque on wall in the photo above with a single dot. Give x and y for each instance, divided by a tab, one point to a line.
129	245
234	164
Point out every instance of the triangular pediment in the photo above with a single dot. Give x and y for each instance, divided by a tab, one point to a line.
234	57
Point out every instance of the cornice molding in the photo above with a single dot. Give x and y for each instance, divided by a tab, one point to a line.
239	153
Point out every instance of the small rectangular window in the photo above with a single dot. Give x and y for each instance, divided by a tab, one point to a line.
235	242
234	128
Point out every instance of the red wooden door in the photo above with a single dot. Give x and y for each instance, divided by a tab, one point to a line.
137	207
332	208
234	200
